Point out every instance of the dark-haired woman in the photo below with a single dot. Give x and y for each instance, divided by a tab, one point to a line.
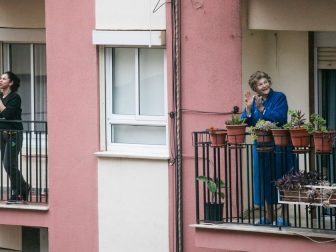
272	106
11	134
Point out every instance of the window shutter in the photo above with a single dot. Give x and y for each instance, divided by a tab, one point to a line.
326	58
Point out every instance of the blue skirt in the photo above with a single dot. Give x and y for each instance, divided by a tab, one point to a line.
267	168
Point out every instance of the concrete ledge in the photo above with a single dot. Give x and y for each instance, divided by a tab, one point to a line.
27	206
278	230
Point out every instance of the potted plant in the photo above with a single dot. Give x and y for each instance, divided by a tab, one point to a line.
323	138
261	132
306	188
213	211
298	130
236	130
281	135
217	136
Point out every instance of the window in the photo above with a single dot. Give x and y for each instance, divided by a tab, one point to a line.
136	111
28	61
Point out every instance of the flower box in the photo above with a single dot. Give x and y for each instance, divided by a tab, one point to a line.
309	195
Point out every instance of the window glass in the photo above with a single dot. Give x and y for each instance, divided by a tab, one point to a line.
151	81
19	62
123	81
138	134
40	79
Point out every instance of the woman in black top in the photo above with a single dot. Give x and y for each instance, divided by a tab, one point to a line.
11	134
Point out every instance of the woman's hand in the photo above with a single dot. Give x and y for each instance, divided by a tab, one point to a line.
259	104
2	106
248	101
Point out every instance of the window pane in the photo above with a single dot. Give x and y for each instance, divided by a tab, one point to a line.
151	82
123	78
40	79
138	134
20	65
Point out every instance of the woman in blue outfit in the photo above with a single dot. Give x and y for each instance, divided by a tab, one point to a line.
272	106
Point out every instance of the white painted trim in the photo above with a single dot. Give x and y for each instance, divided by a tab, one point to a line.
129	38
34	207
135	151
22	35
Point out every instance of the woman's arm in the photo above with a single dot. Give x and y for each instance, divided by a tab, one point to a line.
278	112
11	109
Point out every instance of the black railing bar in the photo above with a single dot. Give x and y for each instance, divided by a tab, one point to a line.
214	172
196	181
207	169
219	175
40	168
248	184
46	170
226	183
237	183
230	183
241	186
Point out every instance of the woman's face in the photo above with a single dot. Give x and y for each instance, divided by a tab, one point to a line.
5	82
263	87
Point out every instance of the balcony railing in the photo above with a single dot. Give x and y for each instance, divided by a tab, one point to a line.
233	164
24	163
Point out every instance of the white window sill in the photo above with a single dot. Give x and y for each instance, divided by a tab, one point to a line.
136	151
269	230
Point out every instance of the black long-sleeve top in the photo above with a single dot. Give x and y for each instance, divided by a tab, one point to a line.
12	111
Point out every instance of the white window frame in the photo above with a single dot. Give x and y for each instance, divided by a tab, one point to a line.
123	149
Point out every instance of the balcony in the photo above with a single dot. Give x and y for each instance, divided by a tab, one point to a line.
24	173
233	165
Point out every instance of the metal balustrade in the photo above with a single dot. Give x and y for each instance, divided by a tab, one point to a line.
24	173
233	165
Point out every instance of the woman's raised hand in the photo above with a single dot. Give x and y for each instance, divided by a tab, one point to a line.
248	101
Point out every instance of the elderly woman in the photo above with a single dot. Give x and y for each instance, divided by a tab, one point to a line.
272	106
11	134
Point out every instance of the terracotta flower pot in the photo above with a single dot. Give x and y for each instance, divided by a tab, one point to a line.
300	137
217	138
264	137
324	141
236	133
281	137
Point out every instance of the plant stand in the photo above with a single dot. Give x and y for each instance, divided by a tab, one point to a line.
323	196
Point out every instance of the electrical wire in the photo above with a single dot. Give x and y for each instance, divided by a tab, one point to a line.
157	6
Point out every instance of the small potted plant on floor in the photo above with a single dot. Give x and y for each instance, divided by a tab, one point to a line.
217	136
298	130
236	128
323	138
306	188
261	132
213	210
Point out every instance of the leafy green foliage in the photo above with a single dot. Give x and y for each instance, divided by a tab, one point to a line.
214	186
261	125
235	120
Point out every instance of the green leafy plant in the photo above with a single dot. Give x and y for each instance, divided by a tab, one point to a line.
214	186
318	123
235	120
261	125
297	119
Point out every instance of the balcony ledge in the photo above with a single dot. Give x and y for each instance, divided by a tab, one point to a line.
29	207
277	230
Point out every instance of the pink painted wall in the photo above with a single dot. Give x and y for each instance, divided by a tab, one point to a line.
211	81
73	125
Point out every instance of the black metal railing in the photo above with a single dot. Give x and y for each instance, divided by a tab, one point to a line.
243	186
24	161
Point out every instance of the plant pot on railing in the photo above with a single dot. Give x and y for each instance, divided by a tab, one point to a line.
281	137
236	134
213	212
264	140
217	137
323	141
300	138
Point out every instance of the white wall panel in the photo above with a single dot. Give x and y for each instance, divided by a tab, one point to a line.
133	205
129	15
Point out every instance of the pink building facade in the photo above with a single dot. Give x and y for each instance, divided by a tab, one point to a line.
126	85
